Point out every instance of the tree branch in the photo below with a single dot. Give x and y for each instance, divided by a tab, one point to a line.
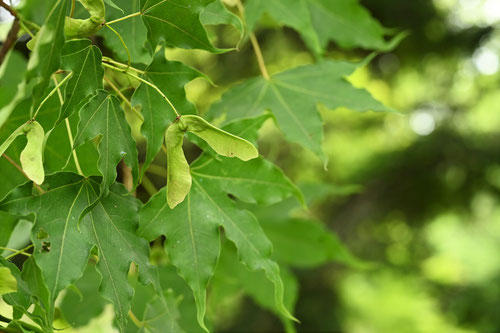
8	8
11	38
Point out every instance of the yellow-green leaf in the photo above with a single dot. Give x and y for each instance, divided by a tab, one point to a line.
178	176
224	143
8	283
32	155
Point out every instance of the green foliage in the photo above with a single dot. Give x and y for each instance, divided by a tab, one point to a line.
73	105
171	77
349	24
103	116
292	97
178	24
82	59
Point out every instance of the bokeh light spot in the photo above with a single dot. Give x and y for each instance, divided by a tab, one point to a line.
422	122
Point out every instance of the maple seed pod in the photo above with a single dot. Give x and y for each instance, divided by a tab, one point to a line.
178	174
224	143
78	28
32	155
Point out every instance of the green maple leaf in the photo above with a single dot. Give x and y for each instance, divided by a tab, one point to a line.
170	77
57	147
12	284
74	305
61	264
31	290
63	245
306	243
177	23
46	56
232	277
112	4
292	96
44	60
160	315
103	117
58	151
319	21
133	32
293	13
84	60
6	227
255	181
216	13
36	11
11	74
193	240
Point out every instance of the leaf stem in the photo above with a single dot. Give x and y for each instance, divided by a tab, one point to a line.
258	54
15	252
148	185
11	161
135	320
255	43
120	94
27	326
31	24
22	251
25	28
145	82
116	63
73	5
56	88
124	18
68	129
129	60
156	170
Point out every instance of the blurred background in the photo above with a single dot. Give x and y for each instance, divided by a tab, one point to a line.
414	196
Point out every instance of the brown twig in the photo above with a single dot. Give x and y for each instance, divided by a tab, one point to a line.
10	40
8	8
127	178
11	161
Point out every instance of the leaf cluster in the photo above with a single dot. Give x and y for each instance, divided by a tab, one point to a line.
73	130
